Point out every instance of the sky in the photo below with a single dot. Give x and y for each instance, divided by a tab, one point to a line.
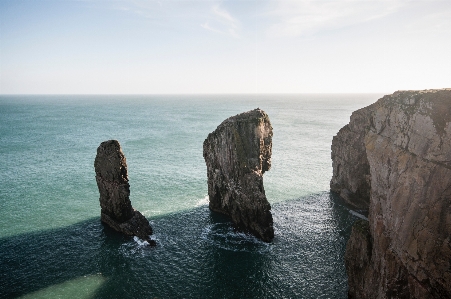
236	46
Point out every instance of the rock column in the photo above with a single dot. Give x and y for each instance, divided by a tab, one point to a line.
112	180
237	154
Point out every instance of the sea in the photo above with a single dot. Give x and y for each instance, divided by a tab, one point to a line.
53	245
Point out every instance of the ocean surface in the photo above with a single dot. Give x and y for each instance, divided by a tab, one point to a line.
53	245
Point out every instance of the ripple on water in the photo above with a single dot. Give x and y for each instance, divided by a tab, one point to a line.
225	236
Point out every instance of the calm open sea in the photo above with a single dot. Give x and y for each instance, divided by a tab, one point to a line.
52	244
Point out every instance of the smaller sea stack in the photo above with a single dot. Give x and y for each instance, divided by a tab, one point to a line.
237	154
112	180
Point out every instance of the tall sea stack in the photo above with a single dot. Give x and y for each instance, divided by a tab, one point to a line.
112	180
401	147
237	154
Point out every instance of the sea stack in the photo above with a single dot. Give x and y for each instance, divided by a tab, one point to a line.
112	180
237	154
403	145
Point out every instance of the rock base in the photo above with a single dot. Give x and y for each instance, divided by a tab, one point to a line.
138	226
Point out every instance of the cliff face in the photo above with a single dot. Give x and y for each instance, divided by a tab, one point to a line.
406	251
237	154
112	180
351	171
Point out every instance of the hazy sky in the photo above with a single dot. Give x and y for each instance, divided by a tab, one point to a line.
246	46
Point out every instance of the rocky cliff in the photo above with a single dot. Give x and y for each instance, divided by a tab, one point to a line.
237	154
404	140
112	180
351	171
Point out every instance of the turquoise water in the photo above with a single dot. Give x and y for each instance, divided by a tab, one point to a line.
52	244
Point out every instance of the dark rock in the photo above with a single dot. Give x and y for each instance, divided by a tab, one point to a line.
112	180
237	154
405	250
351	171
357	258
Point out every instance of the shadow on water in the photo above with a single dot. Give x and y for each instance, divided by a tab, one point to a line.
199	255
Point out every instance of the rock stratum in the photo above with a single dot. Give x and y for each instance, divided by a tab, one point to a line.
394	157
237	154
112	180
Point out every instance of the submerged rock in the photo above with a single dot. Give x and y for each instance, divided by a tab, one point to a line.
112	180
237	154
405	249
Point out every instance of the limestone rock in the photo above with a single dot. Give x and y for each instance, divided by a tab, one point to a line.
112	180
237	154
406	252
358	257
351	171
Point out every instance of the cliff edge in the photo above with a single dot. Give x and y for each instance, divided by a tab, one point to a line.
237	154
401	148
112	180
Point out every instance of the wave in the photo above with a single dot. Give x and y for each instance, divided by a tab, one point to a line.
203	201
140	242
358	215
224	236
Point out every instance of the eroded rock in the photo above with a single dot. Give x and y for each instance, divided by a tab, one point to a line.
408	148
351	171
237	154
112	180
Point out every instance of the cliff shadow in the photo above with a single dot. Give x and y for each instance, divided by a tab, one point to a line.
182	265
33	261
199	254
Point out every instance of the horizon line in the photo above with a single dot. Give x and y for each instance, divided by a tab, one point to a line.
200	93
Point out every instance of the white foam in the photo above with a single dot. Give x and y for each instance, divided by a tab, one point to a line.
358	215
140	242
202	202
